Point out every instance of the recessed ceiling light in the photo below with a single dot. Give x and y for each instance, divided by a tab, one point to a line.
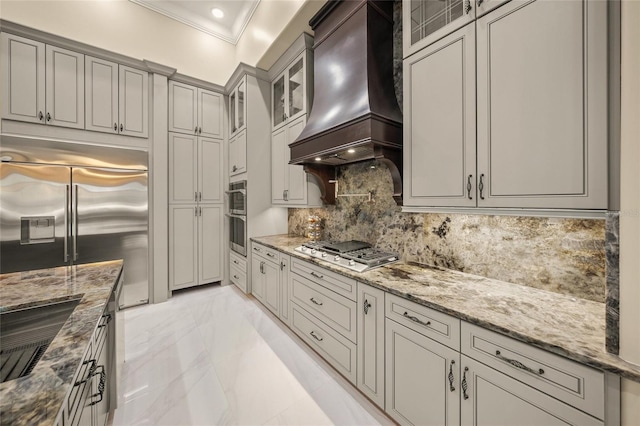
318	159
217	12
351	151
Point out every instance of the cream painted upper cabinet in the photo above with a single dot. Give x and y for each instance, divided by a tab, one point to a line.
117	98
41	83
289	93
238	154
542	105
238	107
440	123
195	111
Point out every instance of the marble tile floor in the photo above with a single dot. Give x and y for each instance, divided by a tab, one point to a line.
213	356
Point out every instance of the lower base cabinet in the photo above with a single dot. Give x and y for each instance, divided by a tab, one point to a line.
421	379
265	282
493	398
370	339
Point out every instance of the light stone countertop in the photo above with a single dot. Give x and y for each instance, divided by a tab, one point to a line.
38	397
567	326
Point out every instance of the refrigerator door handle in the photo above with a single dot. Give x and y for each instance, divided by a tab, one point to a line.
66	224
75	223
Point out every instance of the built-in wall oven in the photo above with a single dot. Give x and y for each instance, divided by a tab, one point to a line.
238	216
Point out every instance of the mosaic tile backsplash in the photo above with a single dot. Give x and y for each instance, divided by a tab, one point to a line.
561	255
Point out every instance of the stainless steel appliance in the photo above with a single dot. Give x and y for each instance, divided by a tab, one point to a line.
65	204
354	255
238	216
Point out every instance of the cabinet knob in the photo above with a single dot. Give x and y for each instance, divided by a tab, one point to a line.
48	117
199	130
234	168
115	127
195	132
121	128
40	116
367	305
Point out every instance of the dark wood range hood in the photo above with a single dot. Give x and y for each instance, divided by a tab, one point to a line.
355	114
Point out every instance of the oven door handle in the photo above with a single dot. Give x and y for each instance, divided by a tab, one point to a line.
234	191
237	216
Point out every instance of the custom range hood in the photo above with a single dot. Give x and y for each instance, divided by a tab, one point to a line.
355	114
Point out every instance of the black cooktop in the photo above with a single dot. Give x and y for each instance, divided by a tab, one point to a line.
343	246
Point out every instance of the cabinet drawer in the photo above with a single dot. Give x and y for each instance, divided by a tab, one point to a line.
238	261
576	384
334	310
238	277
266	252
80	381
334	348
101	330
335	282
438	326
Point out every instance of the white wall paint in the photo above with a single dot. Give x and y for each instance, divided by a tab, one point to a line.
630	206
126	28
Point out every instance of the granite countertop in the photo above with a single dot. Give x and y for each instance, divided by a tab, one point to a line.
564	325
38	397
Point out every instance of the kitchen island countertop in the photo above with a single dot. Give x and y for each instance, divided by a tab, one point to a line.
561	324
38	397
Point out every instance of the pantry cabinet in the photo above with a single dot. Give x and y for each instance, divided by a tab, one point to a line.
519	118
117	98
41	83
195	111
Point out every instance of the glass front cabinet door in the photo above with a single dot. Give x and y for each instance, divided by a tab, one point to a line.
288	92
237	107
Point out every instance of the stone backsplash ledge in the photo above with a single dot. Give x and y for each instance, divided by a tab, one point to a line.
561	255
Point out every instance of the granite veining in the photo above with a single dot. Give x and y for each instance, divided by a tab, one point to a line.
38	397
568	326
612	241
565	256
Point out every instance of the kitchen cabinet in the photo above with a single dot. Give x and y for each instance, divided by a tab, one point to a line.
238	271
541	117
290	185
238	107
195	111
195	244
41	83
370	343
238	154
269	279
285	288
195	169
117	98
289	92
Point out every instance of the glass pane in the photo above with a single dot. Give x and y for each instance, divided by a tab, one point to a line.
232	111
296	88
241	105
428	16
278	101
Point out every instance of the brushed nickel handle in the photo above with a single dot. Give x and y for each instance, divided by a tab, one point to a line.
469	187
313	334
481	186
518	364
317	275
451	376
416	319
316	302
464	384
367	305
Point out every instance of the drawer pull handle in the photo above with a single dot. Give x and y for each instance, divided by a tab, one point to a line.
464	383
518	364
315	336
317	275
271	254
101	386
257	249
316	302
107	320
415	319
367	305
451	376
236	277
92	370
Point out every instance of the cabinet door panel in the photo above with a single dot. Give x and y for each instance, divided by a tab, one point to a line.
183	246
417	386
238	154
210	107
285	288
279	159
496	399
134	102
371	343
257	277
183	101
297	178
65	88
101	95
183	173
278	97
542	105
210	170
23	79
210	244
440	123
272	287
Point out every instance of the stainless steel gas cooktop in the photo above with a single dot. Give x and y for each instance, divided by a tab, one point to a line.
354	255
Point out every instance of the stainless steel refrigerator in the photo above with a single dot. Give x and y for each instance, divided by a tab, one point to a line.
65	204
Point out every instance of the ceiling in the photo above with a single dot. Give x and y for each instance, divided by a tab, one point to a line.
197	14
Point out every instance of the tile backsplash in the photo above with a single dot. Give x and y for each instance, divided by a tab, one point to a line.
562	255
